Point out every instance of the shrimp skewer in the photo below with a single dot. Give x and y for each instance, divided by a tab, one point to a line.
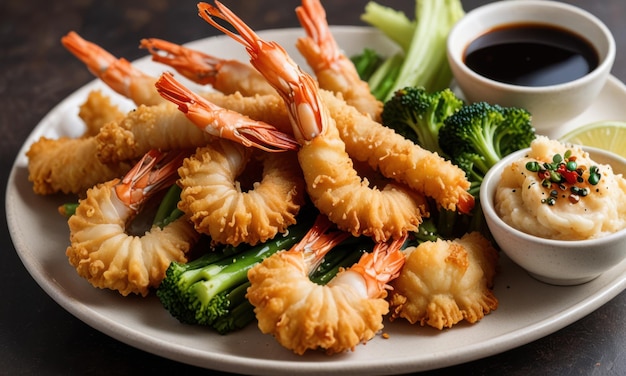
333	184
221	207
101	250
302	315
222	122
118	74
333	69
225	75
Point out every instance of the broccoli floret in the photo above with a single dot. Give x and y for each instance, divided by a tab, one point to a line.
422	60
418	115
480	134
211	290
206	290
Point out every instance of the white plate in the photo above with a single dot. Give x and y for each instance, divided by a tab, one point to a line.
528	309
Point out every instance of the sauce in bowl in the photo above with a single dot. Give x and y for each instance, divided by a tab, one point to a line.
528	54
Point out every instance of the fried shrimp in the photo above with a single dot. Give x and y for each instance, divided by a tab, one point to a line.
167	128
336	317
222	122
444	282
227	76
333	69
333	184
118	74
68	165
399	158
101	250
160	127
97	111
232	211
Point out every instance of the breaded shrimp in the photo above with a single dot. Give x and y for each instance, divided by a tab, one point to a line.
165	127
222	122
97	111
232	212
444	282
333	184
118	74
227	76
399	158
333	69
69	165
161	127
336	317
101	250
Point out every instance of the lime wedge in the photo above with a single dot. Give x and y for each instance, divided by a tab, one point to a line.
607	135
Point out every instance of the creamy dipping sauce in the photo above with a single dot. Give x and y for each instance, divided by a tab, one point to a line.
558	192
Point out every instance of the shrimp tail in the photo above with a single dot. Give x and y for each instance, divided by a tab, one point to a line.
155	171
381	266
207	11
273	62
118	74
222	122
93	56
312	17
334	70
225	75
192	64
318	241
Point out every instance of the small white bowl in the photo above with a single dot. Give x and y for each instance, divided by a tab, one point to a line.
557	262
549	105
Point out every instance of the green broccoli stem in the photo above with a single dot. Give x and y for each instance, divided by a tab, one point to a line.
231	272
343	255
209	297
168	211
485	146
241	311
179	277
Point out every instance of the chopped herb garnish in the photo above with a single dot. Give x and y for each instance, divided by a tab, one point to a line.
564	170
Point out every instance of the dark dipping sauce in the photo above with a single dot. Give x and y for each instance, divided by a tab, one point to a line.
531	55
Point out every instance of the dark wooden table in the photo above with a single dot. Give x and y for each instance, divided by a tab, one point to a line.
38	337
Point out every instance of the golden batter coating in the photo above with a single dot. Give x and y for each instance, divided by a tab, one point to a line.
222	207
97	111
107	256
444	282
68	165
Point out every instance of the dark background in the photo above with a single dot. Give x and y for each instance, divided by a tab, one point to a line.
38	337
